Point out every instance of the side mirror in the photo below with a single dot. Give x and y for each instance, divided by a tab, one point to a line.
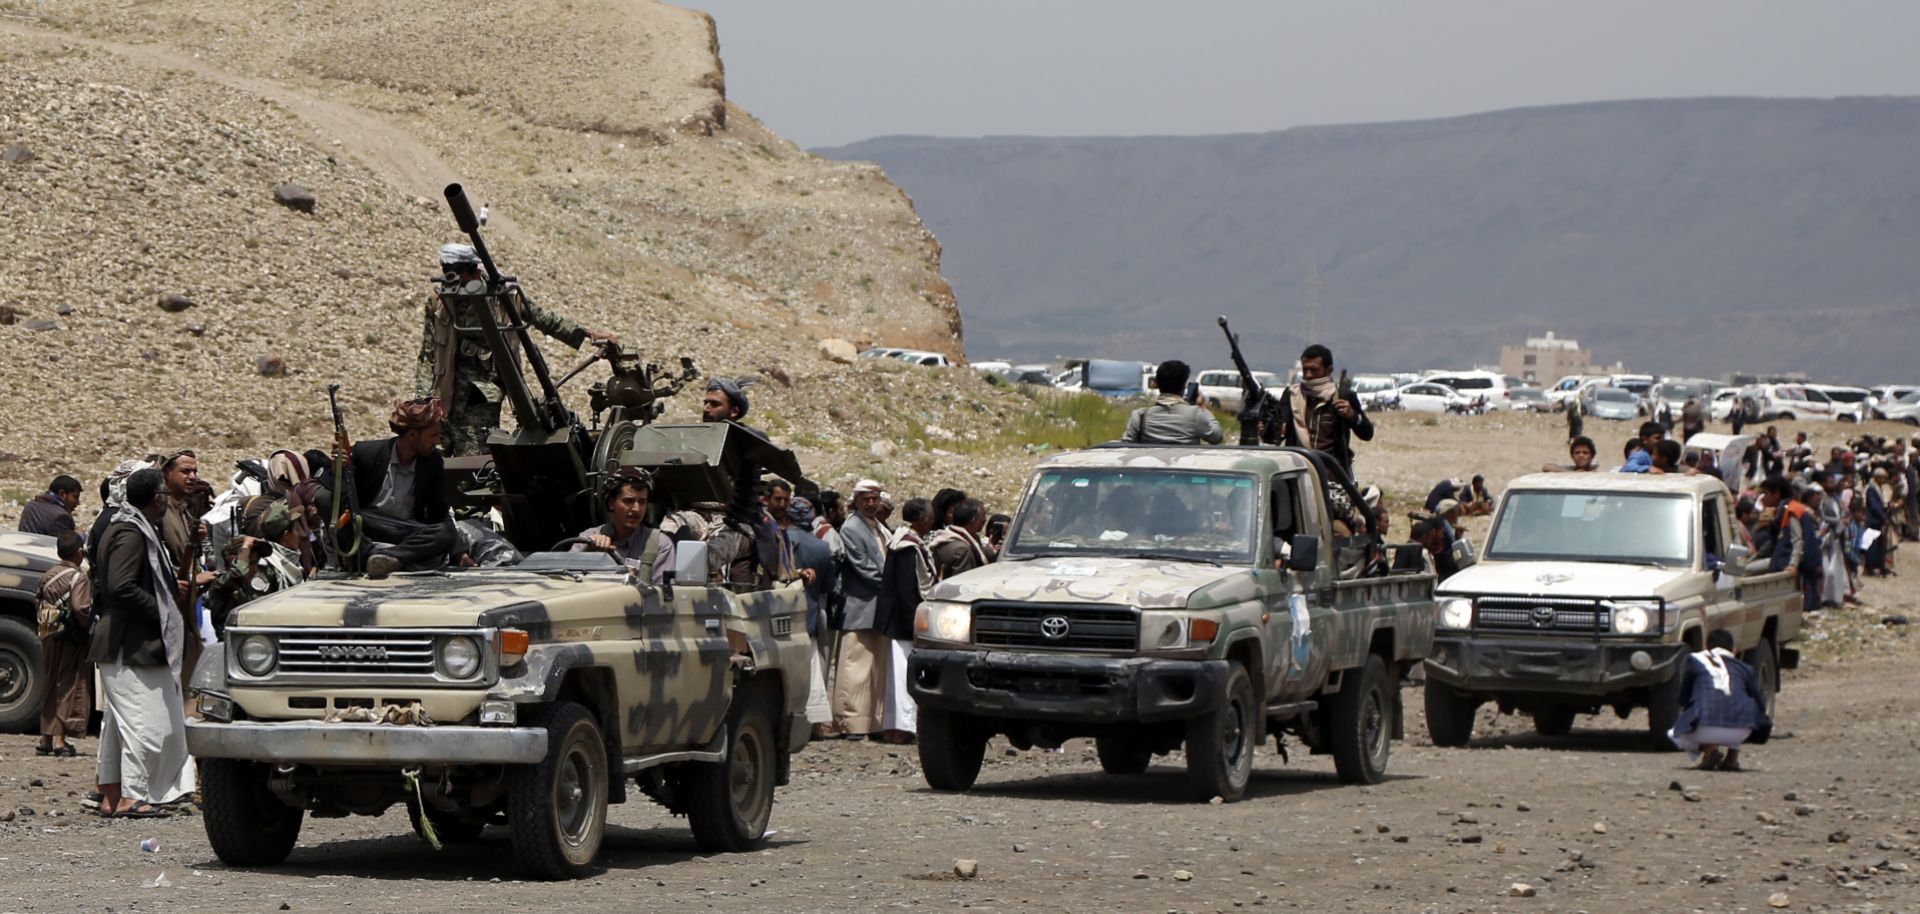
1306	553
1463	554
690	562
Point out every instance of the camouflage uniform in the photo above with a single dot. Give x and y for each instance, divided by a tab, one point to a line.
472	394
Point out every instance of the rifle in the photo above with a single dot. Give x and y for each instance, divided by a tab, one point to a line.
1256	407
342	485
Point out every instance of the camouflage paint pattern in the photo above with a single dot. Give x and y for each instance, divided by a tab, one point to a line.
24	558
671	662
1251	602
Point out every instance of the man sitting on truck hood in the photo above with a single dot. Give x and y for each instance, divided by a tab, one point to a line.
401	485
1171	420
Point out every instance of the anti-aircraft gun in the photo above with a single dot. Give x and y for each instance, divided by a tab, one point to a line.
544	476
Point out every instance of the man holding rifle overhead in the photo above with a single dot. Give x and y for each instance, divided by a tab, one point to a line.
459	368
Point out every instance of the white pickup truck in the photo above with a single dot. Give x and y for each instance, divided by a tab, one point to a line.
1592	590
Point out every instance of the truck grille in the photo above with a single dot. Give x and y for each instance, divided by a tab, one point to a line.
387	653
1541	614
1056	627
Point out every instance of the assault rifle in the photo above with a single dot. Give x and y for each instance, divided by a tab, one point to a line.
340	545
1257	410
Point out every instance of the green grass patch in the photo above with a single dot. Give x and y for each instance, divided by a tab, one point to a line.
1047	421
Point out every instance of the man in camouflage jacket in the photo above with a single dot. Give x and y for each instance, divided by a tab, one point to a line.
460	369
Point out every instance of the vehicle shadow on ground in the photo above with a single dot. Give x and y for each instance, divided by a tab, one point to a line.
1162	784
1596	740
406	857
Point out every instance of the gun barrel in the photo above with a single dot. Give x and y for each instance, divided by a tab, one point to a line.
462	210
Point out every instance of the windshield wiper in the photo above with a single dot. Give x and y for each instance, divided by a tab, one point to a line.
1172	557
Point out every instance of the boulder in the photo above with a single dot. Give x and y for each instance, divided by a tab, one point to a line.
271	366
174	302
17	155
293	196
8	314
837	350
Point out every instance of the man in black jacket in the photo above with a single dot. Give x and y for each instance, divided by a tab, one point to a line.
401	484
1314	414
51	512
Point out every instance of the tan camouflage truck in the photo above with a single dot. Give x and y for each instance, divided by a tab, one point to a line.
1591	592
529	696
1150	597
24	559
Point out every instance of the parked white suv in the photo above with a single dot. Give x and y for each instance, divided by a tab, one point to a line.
1850	404
1220	387
1887	395
1790	402
1673	393
1486	384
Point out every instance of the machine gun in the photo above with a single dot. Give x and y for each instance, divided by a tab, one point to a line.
1258	421
503	299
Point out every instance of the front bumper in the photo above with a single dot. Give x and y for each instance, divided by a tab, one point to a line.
1569	667
366	744
1051	687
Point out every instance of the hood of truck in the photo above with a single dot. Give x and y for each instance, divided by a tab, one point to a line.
457	599
1568	579
1145	583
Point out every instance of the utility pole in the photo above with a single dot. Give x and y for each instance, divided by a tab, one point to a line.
1311	304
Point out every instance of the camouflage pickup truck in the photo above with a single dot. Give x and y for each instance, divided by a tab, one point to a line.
1592	591
527	696
1150	597
24	559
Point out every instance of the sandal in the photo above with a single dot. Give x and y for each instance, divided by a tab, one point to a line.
138	811
43	750
66	751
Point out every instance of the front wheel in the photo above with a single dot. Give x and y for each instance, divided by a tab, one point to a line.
952	747
1220	743
246	824
729	802
1362	727
1449	714
1765	661
557	808
23	680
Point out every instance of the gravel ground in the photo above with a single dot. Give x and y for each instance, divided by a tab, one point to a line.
1825	819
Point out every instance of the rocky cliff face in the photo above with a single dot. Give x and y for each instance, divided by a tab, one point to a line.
623	190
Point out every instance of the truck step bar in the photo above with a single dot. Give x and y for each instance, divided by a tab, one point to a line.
634	766
1292	708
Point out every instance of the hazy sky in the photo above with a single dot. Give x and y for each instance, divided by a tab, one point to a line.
825	72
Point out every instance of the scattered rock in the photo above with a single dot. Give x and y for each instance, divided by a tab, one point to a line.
1599	828
1894	620
1522	807
1400	839
1676	786
1839	837
882	449
1805	809
40	325
293	196
838	350
1767	818
8	314
1019	848
1778	900
1474	838
343	272
26	811
17	154
197	329
174	302
1381	828
1183	875
271	366
36	782
778	374
63	310
1691	796
1217	801
1712	878
1522	890
1467	818
966	869
6	816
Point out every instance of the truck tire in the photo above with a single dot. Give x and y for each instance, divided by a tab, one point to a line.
246	824
952	746
1362	725
1553	721
1765	660
1220	743
730	802
557	807
1449	714
1120	755
1663	708
22	681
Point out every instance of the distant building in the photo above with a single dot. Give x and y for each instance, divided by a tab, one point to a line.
1546	359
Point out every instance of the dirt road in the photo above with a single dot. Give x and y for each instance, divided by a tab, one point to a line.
1827	819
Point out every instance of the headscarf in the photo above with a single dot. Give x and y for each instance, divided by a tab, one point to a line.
172	627
418	413
735	395
866	485
800	512
117	481
285	469
457	254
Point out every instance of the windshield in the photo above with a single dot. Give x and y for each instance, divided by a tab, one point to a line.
1684	391
1527	393
1594	527
1614	394
1847	396
1913	397
1118	512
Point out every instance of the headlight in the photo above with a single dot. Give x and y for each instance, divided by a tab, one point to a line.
1632	618
944	621
1456	612
459	658
257	655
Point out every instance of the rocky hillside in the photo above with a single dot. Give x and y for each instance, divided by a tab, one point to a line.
153	293
1691	236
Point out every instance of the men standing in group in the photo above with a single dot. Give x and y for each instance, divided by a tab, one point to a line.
460	368
958	547
187	497
65	604
401	485
626	535
1313	413
860	684
137	644
51	512
1170	419
814	564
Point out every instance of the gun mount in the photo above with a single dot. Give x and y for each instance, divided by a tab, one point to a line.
544	476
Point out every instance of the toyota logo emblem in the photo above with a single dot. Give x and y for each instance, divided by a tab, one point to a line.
352	652
1541	616
1054	628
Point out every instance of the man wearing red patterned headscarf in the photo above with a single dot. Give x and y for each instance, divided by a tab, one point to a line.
400	482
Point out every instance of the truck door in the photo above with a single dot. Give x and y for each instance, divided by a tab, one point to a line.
1289	618
1724	604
